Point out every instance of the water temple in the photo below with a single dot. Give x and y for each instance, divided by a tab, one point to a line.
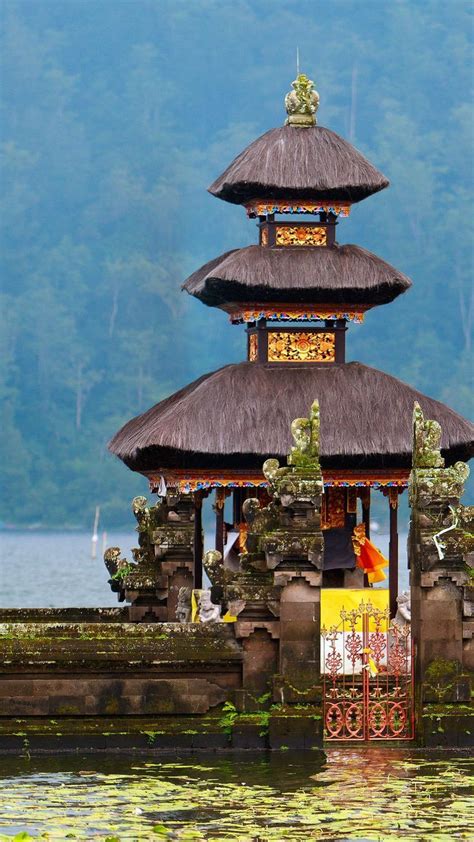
290	631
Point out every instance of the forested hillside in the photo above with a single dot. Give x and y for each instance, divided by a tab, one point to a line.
116	115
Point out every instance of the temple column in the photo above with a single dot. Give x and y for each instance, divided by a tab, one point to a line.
365	500
237	507
219	510
393	550
439	545
198	539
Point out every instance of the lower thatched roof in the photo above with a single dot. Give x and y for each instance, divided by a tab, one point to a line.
299	163
240	414
344	274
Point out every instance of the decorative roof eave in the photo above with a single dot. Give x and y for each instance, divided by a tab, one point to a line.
190	481
263	207
248	313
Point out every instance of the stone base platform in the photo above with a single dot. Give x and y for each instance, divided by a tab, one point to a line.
282	730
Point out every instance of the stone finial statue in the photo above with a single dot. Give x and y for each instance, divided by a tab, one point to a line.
117	568
141	512
302	103
214	566
305	431
426	441
208	612
183	608
403	615
259	519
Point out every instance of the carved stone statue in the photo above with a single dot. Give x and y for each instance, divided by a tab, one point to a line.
305	431
141	512
214	566
259	519
116	566
302	102
208	612
403	615
426	441
183	608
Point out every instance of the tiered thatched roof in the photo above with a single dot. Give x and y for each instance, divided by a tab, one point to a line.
344	274
241	414
299	164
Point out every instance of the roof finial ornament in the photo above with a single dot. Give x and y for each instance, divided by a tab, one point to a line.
302	102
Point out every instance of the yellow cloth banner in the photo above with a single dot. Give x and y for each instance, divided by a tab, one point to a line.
335	600
194	606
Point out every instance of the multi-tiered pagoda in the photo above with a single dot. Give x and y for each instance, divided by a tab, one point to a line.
296	292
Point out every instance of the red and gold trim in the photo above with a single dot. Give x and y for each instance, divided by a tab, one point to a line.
191	481
265	208
292	313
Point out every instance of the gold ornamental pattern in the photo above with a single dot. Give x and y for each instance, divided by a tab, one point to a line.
301	347
252	347
300	235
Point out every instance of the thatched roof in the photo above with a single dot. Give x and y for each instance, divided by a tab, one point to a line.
299	163
241	414
344	274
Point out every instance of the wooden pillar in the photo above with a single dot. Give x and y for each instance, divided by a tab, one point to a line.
393	550
198	542
365	498
365	503
237	507
219	510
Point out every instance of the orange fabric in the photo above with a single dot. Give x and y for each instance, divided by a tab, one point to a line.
369	558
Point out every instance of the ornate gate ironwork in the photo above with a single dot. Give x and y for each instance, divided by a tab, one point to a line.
367	666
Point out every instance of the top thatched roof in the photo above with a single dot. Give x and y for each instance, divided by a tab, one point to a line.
344	274
299	163
241	414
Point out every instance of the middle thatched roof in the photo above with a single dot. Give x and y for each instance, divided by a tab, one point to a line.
344	274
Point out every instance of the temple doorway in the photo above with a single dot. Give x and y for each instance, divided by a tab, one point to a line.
366	666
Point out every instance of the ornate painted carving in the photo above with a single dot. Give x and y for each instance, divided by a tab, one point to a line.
300	235
333	512
292	313
265	208
188	482
302	102
253	347
286	346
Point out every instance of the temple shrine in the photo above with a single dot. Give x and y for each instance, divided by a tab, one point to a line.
297	291
283	634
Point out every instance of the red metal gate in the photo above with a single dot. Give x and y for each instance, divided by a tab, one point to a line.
367	664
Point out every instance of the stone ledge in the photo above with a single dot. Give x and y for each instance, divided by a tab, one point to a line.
28	736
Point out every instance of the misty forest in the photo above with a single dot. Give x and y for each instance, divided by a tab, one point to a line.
116	116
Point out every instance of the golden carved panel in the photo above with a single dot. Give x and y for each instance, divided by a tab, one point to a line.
333	510
301	347
253	347
264	237
300	235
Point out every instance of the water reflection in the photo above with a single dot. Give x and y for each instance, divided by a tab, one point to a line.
359	794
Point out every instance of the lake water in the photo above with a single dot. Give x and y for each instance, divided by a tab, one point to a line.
55	569
373	794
